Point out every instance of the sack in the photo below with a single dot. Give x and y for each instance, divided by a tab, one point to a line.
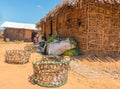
59	48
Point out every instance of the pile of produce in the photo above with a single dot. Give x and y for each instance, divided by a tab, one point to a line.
54	37
58	48
68	47
72	52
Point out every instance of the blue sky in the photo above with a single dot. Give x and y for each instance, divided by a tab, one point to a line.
25	11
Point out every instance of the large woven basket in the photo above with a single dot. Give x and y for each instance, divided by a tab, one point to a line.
51	72
17	56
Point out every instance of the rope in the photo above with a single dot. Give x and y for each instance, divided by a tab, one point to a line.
51	85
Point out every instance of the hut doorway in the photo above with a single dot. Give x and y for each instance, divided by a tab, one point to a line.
34	33
20	34
51	28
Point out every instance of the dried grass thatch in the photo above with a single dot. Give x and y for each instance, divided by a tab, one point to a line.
73	3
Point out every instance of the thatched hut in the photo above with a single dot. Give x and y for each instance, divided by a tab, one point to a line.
18	31
95	24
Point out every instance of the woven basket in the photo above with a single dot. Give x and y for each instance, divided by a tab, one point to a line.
51	72
31	48
17	56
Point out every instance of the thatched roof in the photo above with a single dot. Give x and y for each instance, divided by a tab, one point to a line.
73	3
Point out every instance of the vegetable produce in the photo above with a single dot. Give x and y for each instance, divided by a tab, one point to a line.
72	52
54	37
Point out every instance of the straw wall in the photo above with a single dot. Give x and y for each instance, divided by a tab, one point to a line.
73	22
104	28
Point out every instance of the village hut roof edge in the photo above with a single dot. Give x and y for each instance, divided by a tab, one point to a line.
73	3
8	24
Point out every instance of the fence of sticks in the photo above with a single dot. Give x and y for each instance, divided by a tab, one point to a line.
17	56
51	71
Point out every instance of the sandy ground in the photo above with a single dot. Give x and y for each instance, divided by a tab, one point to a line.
84	74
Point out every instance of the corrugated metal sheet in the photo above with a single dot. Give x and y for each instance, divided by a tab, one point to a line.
18	25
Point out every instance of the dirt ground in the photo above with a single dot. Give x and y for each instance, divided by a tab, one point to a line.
84	74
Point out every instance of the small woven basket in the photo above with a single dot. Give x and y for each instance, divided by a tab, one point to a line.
31	48
51	71
17	56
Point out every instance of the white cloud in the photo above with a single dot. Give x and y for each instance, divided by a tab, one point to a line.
40	7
